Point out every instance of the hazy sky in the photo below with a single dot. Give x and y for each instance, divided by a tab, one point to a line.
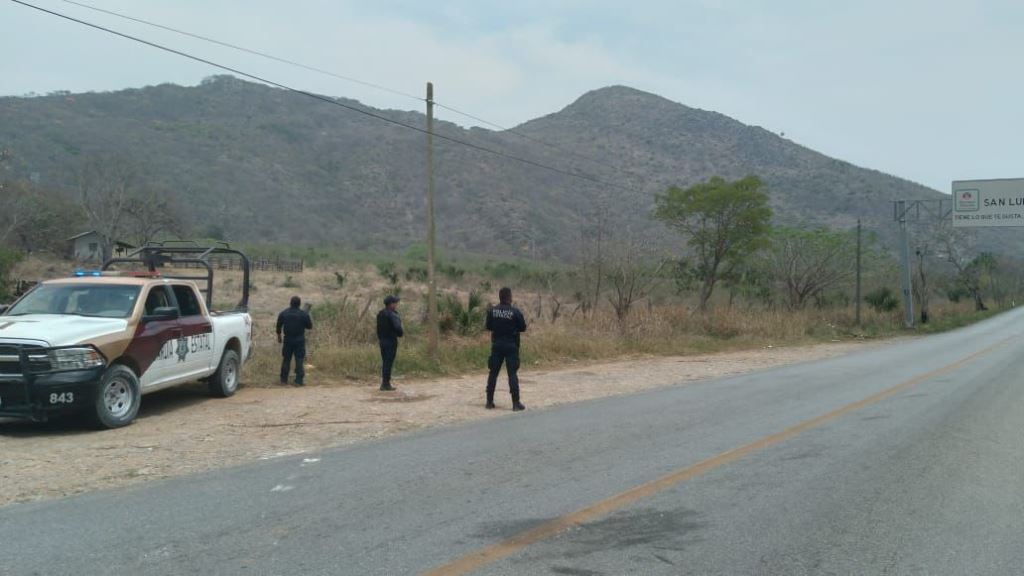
929	90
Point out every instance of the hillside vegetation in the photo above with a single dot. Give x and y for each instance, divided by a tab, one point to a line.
248	162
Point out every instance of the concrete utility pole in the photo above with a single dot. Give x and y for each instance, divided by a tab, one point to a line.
916	211
858	272
908	296
933	211
432	330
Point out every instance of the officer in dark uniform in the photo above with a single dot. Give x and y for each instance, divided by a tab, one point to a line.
505	323
293	322
389	330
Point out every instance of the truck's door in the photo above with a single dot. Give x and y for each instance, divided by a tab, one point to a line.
196	331
153	346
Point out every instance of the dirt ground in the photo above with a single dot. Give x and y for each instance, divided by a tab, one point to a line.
183	431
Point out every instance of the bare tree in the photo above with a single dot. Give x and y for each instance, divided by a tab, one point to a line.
960	250
594	235
18	207
33	219
105	187
808	262
922	292
548	280
150	214
632	272
14	201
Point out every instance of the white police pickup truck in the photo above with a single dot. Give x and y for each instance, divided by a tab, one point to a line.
98	341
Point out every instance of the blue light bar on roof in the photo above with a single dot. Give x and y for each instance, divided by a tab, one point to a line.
81	273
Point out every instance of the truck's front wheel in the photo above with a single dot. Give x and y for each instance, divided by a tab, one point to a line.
224	381
117	398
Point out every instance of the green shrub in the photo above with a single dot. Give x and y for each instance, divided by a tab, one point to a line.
452	272
882	300
416	274
389	271
8	258
958	293
418	253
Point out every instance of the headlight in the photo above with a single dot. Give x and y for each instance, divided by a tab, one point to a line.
75	359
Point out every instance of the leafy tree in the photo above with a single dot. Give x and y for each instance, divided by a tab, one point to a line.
754	282
683	275
724	222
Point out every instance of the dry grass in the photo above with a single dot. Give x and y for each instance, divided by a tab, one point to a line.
343	347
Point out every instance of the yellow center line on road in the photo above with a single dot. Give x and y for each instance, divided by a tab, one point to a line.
514	544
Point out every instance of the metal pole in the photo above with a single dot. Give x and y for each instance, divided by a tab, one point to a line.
432	329
858	271
908	298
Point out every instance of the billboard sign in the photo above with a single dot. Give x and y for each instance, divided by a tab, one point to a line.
988	203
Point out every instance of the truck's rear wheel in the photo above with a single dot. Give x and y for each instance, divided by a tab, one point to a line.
117	398
224	381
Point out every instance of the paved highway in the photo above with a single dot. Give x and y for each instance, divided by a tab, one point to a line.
904	459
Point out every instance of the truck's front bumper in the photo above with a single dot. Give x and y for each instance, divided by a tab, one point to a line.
40	394
49	394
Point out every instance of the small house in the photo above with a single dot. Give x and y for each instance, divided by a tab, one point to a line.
88	247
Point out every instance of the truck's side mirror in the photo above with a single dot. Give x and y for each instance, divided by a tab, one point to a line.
3	308
163	313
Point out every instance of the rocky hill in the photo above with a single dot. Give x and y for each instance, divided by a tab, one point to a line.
263	164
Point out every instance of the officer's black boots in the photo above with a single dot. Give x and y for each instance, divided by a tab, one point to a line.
387	387
489	406
517	406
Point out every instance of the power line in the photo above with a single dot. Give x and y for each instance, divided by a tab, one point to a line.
338	76
246	50
458	141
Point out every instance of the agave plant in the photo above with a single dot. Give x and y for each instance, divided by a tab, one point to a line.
462	319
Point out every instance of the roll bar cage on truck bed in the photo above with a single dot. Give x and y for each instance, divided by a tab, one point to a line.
189	253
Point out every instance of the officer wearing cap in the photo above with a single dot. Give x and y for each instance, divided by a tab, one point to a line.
506	323
389	330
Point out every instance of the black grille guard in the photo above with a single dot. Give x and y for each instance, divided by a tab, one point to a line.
29	354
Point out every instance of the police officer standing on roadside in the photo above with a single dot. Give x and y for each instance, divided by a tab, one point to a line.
293	322
506	323
389	330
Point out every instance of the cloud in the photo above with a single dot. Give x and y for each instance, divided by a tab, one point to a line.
916	88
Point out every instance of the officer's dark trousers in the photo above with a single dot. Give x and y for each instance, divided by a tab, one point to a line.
507	353
388	352
298	350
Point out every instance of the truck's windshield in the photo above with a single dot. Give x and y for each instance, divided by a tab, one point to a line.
102	300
